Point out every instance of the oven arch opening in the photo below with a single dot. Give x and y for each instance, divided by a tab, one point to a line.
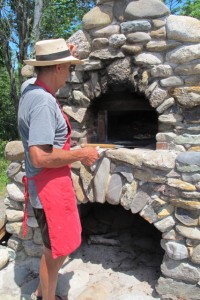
124	118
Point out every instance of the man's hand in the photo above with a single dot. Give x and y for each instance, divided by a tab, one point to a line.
45	156
91	155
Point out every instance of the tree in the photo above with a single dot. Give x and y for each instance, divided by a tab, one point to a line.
22	23
62	17
16	21
1	56
184	7
174	5
8	128
191	8
37	16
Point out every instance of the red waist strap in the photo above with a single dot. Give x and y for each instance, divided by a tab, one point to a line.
26	197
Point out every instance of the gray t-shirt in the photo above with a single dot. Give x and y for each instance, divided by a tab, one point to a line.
26	83
40	122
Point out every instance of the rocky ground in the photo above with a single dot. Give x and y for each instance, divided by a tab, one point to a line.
123	265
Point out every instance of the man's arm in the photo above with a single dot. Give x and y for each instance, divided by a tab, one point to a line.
45	156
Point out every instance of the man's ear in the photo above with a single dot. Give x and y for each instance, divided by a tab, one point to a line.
58	67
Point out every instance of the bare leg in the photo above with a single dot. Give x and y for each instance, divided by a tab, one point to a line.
38	291
49	269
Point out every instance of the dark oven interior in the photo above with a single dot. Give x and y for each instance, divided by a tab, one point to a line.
126	119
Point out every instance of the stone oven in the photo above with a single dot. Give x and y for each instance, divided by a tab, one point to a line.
138	88
140	67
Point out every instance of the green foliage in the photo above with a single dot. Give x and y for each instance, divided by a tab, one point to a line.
2	149
174	5
3	177
8	120
3	167
62	17
16	20
1	56
186	7
192	9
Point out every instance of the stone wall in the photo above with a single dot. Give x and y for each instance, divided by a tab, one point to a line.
162	186
137	46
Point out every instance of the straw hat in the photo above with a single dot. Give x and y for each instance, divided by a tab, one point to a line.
52	52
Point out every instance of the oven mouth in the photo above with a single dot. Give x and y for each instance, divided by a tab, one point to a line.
125	119
130	129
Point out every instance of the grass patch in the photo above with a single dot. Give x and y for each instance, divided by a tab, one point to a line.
3	167
3	177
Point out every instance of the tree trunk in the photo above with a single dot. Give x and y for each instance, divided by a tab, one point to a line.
36	23
8	62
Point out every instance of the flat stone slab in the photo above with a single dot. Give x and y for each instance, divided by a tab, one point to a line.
183	28
146	9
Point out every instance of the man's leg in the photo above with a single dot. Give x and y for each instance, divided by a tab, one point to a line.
49	269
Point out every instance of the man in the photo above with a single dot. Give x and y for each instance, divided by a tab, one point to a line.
45	133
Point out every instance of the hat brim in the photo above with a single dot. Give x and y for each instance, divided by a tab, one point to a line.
38	63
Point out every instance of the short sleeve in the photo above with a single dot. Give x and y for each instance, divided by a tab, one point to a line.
42	126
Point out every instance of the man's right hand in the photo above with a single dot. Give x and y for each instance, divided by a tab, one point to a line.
90	155
45	156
